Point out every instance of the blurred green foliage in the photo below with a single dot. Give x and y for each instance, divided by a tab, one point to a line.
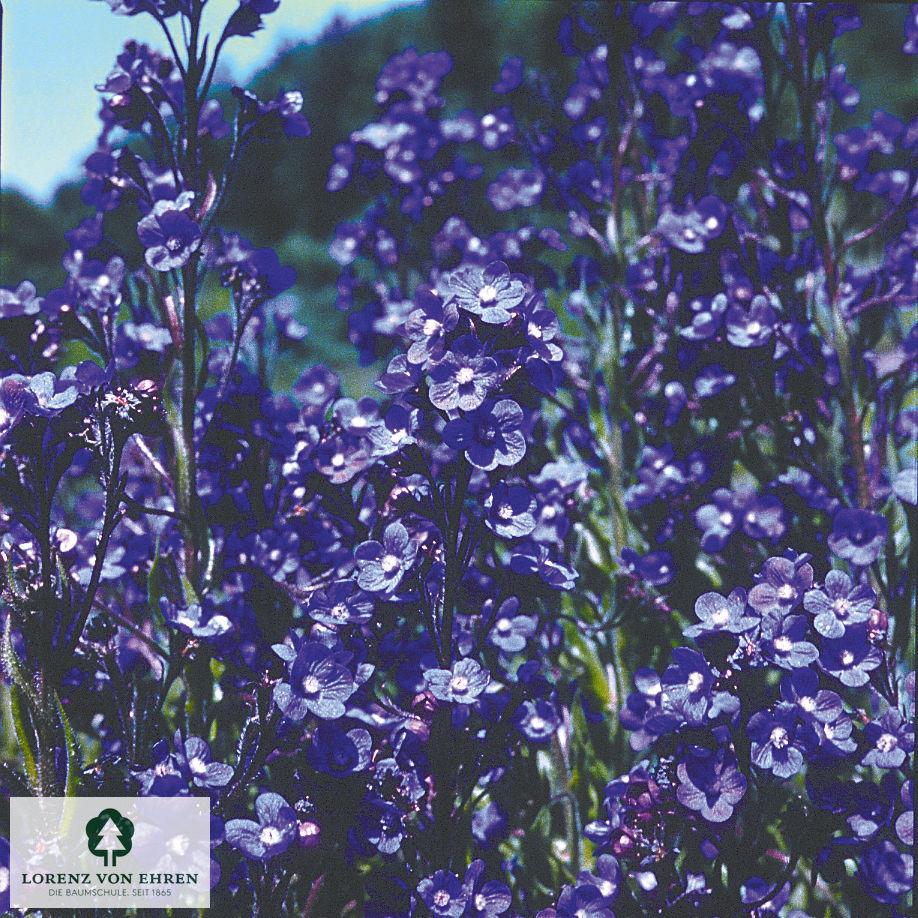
279	196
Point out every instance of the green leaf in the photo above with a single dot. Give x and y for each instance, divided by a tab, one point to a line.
22	736
72	783
155	581
14	670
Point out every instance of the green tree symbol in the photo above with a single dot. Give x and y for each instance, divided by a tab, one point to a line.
109	833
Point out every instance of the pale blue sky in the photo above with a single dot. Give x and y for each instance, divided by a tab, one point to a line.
56	51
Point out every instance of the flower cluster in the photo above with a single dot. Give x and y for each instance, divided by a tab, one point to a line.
392	638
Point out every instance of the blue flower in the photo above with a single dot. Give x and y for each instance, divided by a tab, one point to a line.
858	535
489	436
463	378
492	293
320	682
710	783
338	753
774	741
444	894
340	604
838	604
510	509
462	684
168	234
381	565
275	831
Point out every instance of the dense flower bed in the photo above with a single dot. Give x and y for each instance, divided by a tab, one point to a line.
604	605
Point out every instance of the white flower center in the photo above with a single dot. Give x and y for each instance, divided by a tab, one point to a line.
534	331
537	723
270	835
695	681
828	731
339	612
712	223
887	742
505	511
465	376
430	327
779	738
726	518
337	460
389	563
808	703
721	616
459	683
487	294
785	591
197	766
441	898
847	657
754	327
311	685
841	605
783	643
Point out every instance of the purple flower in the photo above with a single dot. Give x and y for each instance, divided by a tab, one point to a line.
489	436
338	753
694	228
785	642
381	565
858	536
762	517
536	560
492	292
717	520
886	872
444	894
710	783
537	720
656	567
395	431
688	695
275	831
341	604
168	234
195	754
781	588
510	510
461	684
320	682
718	614
486	899
463	378
774	743
4	875
815	706
246	19
428	325
510	630
851	657
752	328
891	739
839	603
516	188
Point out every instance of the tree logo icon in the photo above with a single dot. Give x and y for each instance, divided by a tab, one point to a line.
109	833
